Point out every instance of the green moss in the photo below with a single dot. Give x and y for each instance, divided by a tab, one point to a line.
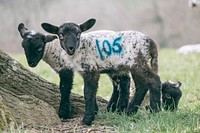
6	119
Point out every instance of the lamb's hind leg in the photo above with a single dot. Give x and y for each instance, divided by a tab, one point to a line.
144	78
139	95
66	82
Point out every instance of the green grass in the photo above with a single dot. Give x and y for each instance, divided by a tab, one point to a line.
172	66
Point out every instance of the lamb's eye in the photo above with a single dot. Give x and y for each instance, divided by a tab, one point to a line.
168	96
61	37
39	49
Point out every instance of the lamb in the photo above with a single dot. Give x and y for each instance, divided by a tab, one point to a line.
118	52
55	62
38	46
171	95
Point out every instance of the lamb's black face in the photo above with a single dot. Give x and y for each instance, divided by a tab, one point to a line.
69	34
171	94
33	44
34	47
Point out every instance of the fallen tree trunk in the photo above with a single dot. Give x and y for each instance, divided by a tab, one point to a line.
6	119
31	99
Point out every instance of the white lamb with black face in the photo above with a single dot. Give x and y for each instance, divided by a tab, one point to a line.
96	49
115	52
38	46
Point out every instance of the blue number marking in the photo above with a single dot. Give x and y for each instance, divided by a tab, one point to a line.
108	51
116	47
99	50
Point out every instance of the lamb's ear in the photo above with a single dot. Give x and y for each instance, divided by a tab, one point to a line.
50	28
178	84
22	29
49	38
87	25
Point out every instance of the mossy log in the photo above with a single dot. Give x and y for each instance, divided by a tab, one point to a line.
6	119
31	99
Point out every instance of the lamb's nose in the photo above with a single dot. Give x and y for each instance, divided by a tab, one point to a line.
31	64
71	49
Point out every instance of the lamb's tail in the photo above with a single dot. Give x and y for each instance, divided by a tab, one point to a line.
154	56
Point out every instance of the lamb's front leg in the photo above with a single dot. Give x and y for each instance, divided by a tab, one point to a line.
90	89
66	82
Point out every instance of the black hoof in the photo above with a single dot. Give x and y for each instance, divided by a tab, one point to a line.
129	113
87	120
65	113
120	110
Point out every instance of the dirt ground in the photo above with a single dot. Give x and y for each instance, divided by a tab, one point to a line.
73	125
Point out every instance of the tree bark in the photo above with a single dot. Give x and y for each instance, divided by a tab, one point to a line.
31	99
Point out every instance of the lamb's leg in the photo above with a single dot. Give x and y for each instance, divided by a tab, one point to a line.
66	82
155	93
154	84
115	94
124	92
145	78
139	95
90	89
